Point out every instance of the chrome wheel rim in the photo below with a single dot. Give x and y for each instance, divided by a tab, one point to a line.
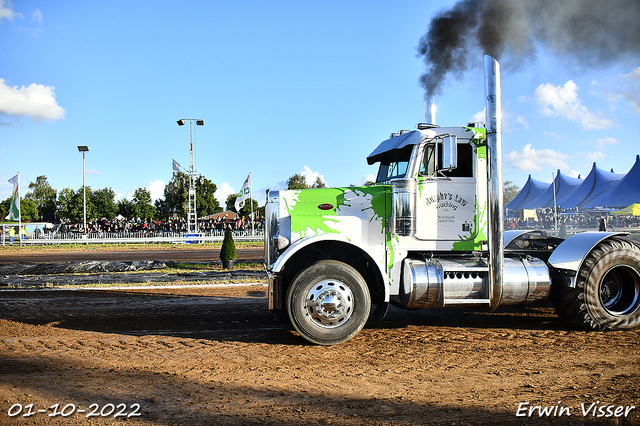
329	303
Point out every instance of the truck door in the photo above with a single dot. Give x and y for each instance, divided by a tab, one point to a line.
446	200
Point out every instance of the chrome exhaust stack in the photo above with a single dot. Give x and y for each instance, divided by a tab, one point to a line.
493	123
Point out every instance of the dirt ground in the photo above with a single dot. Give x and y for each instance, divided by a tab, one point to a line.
179	253
214	355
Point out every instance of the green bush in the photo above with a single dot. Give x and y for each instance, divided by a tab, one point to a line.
228	250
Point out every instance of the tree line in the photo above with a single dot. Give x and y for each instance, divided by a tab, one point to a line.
44	203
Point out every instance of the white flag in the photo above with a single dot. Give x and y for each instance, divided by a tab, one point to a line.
176	167
244	193
14	205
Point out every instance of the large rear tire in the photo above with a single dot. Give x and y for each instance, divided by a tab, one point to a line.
328	303
607	292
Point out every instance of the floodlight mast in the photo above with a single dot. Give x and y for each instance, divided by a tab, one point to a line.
83	149
192	216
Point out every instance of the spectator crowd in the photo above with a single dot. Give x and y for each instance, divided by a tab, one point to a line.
546	219
137	228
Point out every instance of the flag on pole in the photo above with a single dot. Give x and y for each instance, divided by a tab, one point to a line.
176	167
14	205
244	193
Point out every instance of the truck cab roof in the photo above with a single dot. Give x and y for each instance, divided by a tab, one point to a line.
414	137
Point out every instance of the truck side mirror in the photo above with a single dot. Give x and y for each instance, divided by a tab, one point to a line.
449	152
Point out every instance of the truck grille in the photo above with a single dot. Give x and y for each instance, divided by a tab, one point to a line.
272	227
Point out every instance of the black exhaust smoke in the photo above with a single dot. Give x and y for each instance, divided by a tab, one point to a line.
591	32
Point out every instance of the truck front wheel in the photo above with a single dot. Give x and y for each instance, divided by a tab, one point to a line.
328	303
607	293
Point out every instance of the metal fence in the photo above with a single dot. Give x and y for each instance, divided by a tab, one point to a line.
126	237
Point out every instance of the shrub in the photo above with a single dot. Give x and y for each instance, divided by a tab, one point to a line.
228	250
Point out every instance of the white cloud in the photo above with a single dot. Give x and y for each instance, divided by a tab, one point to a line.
563	101
533	160
478	117
37	16
553	135
521	120
368	178
122	195
631	91
595	156
574	173
156	188
605	141
222	193
311	176
510	121
36	101
625	87
6	12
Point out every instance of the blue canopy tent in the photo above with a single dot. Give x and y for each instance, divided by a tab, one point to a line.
564	187
530	191
622	193
597	182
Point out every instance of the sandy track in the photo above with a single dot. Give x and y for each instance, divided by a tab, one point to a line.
216	356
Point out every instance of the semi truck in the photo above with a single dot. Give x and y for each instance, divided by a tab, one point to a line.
429	233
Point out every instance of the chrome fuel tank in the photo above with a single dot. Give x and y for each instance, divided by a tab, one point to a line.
459	282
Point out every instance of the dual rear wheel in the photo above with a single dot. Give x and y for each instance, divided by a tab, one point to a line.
607	291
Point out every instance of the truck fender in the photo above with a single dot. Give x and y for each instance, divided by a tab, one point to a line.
511	235
300	244
570	254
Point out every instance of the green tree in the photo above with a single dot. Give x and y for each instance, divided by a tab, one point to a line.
231	203
176	197
141	204
28	210
162	209
297	181
125	208
44	197
70	204
245	210
319	183
104	205
509	191
206	202
176	194
4	208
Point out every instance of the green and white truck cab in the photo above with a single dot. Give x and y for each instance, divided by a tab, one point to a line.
429	233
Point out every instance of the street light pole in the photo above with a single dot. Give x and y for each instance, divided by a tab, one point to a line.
192	216
83	149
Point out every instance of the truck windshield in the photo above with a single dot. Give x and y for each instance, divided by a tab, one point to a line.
394	164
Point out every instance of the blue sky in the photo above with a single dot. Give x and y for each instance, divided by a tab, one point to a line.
283	86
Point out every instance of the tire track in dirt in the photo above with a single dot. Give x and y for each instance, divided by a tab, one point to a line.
217	356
